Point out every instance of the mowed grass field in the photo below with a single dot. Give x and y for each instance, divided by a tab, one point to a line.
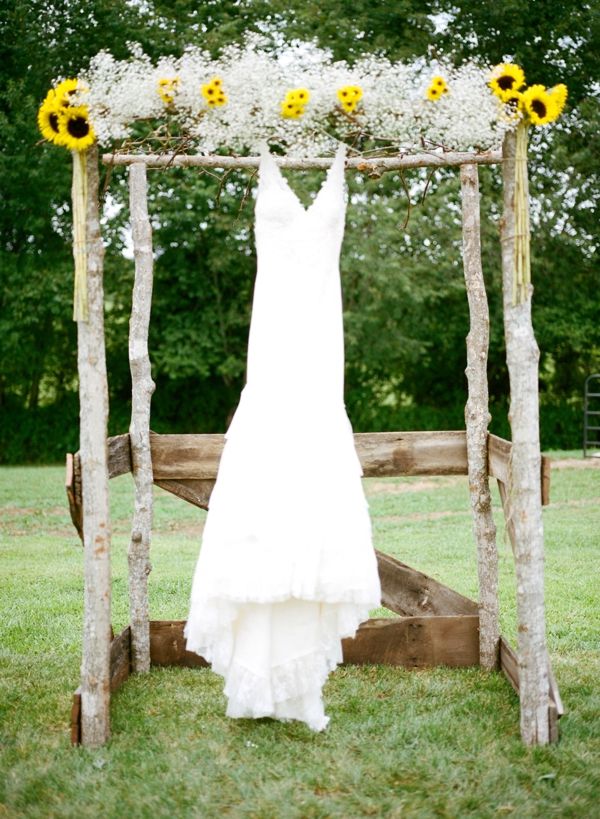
433	743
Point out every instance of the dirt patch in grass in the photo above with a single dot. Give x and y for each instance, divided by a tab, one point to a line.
420	485
576	463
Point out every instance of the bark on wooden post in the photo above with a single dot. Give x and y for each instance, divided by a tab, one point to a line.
139	430
524	494
477	418
93	398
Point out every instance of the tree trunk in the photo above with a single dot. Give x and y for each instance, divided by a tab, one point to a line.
139	430
93	398
524	493
477	418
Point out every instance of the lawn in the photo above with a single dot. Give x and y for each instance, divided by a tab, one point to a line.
439	743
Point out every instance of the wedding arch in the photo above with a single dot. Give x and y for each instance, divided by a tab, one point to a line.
435	625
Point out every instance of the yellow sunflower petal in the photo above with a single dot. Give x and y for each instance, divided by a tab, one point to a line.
559	95
48	119
434	92
506	77
167	88
65	90
76	129
539	105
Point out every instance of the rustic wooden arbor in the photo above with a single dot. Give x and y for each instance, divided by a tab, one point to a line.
436	625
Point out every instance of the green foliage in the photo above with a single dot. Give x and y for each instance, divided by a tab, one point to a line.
405	308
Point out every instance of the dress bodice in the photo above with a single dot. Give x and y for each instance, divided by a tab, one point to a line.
296	335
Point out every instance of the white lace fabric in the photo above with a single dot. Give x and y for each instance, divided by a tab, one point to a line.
287	567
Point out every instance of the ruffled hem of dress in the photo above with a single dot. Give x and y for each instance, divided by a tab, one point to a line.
292	691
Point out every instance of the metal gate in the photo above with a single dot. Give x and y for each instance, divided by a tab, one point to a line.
591	415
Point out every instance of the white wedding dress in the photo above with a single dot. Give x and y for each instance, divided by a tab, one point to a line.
287	567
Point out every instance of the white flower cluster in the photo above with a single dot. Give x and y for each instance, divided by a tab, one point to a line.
394	112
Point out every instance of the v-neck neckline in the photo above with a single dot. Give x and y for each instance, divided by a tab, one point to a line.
286	185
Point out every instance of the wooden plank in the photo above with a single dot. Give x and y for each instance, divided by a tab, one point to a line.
119	455
509	664
75	507
196	492
76	718
554	692
416	642
498	457
185	457
120	658
409	592
546	467
167	645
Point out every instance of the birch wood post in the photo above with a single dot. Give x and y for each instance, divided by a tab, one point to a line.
93	400
139	430
524	493
477	418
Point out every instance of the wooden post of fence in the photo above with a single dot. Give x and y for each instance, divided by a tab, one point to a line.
524	499
139	430
477	418
93	398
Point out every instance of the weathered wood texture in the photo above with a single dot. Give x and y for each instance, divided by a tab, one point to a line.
184	457
499	450
119	455
142	387
74	494
477	418
76	718
413	642
509	664
93	401
411	593
524	473
195	492
374	166
120	669
120	658
167	645
416	642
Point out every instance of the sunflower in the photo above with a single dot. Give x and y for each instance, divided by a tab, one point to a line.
349	95
506	77
559	95
49	116
434	92
213	93
291	110
65	90
439	82
167	88
513	100
539	105
300	96
75	129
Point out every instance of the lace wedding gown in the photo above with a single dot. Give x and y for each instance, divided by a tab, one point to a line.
287	566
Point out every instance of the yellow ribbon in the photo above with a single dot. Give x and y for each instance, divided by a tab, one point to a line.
522	262
79	197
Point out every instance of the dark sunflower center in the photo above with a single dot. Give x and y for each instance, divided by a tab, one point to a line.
78	127
539	107
53	120
506	82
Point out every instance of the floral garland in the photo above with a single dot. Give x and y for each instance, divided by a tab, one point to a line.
298	99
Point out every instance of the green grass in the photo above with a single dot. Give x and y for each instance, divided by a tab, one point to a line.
439	743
